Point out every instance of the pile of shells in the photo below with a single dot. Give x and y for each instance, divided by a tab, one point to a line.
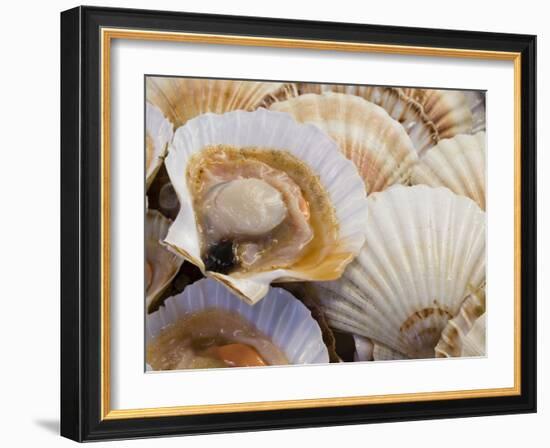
300	223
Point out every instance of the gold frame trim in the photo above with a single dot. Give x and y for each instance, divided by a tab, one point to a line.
107	35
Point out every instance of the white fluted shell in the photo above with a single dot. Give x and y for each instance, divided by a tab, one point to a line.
377	144
400	107
453	336
271	130
448	110
457	163
424	253
181	99
158	133
280	316
161	264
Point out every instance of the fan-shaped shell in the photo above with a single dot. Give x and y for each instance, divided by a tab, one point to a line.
424	253
447	109
457	163
399	106
181	99
161	264
272	130
377	144
158	133
280	316
452	338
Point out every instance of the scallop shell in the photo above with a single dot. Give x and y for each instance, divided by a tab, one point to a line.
400	107
457	163
424	253
366	134
268	129
452	339
159	132
368	350
164	264
473	343
447	109
476	103
280	316
184	98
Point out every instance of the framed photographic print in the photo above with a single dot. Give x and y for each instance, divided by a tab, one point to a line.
273	224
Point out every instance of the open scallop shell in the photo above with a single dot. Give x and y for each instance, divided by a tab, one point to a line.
399	106
158	133
162	264
184	98
275	130
280	316
366	134
452	339
447	109
457	163
424	253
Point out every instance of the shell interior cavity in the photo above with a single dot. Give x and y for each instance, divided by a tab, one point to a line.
280	328
377	144
161	265
402	108
457	163
181	99
263	198
424	253
453	336
158	133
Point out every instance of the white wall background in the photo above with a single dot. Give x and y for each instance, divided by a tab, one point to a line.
29	236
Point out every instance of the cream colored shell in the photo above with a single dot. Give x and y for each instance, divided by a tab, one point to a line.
424	253
163	264
457	163
447	109
454	335
181	99
377	144
399	106
476	102
474	342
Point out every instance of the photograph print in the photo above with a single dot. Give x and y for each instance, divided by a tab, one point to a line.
303	223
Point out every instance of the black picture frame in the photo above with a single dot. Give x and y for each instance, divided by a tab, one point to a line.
81	224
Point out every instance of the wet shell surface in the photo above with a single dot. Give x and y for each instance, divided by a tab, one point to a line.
161	265
377	144
280	317
181	99
158	133
267	197
448	110
424	253
453	336
400	107
457	163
